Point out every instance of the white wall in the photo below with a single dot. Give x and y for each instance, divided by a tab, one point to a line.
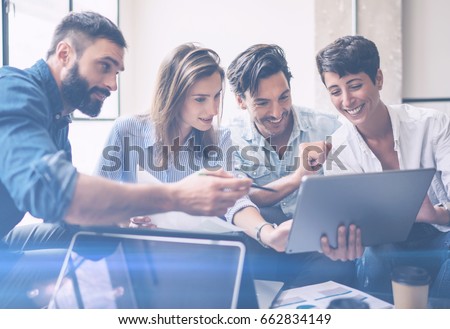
88	139
154	27
426	48
377	20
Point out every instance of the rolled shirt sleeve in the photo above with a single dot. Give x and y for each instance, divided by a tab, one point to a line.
227	148
48	193
240	204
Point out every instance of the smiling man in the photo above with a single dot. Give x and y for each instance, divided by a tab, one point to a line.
36	170
277	144
276	135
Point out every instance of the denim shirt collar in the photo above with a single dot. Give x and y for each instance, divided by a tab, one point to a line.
253	136
42	69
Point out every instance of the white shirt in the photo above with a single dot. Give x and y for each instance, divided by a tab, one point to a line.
421	140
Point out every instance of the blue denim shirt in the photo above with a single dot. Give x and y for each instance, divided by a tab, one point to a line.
258	160
36	172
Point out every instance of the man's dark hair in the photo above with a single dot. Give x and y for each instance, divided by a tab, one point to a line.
257	62
349	55
84	28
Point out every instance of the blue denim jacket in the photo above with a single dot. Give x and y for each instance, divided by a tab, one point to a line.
36	172
258	160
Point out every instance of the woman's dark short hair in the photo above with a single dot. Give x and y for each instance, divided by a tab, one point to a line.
349	55
257	62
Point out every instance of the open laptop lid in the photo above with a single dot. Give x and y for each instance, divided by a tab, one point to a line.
132	268
384	205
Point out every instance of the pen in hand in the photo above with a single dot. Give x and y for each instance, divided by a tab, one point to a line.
254	185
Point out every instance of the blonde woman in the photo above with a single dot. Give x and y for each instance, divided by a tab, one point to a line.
178	138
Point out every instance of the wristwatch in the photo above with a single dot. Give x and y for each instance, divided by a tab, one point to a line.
258	233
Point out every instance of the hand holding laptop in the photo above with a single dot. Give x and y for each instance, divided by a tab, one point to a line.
349	246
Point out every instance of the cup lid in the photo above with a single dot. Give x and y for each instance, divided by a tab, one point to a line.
411	275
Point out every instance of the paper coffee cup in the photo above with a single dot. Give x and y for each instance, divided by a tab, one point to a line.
410	287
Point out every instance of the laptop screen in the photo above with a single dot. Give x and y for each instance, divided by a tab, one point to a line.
108	270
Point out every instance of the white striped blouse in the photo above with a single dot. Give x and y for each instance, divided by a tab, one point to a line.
131	146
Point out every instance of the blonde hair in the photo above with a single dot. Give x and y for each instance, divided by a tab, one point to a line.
184	66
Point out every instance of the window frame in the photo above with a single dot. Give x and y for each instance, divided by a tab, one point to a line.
7	6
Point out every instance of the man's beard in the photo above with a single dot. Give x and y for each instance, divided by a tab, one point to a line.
76	93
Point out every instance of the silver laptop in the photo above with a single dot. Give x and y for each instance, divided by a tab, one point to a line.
384	205
163	271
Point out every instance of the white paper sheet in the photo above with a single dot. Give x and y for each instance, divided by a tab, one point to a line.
176	220
320	295
181	221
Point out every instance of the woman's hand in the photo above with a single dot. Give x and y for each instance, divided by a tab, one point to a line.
141	222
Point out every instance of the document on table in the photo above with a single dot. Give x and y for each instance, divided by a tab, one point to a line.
320	295
177	220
